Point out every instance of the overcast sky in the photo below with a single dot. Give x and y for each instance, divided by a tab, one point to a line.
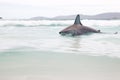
50	8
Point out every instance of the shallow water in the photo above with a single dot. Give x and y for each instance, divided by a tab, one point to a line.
34	50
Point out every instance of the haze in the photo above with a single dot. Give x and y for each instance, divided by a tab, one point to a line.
19	9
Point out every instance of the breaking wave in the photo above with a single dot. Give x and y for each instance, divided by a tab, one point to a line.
23	25
17	23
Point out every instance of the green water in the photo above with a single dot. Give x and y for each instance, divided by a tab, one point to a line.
34	50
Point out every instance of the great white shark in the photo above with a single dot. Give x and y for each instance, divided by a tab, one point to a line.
78	28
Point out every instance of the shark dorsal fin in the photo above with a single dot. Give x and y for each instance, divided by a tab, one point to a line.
77	20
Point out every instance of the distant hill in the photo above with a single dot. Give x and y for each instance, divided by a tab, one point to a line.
0	17
103	16
39	18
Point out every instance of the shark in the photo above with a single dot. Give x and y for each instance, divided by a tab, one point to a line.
78	28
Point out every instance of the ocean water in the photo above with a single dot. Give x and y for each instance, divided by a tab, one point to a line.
34	50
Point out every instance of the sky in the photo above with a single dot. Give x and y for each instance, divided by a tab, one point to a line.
19	9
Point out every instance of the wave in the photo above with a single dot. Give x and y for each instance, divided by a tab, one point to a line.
24	25
33	23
